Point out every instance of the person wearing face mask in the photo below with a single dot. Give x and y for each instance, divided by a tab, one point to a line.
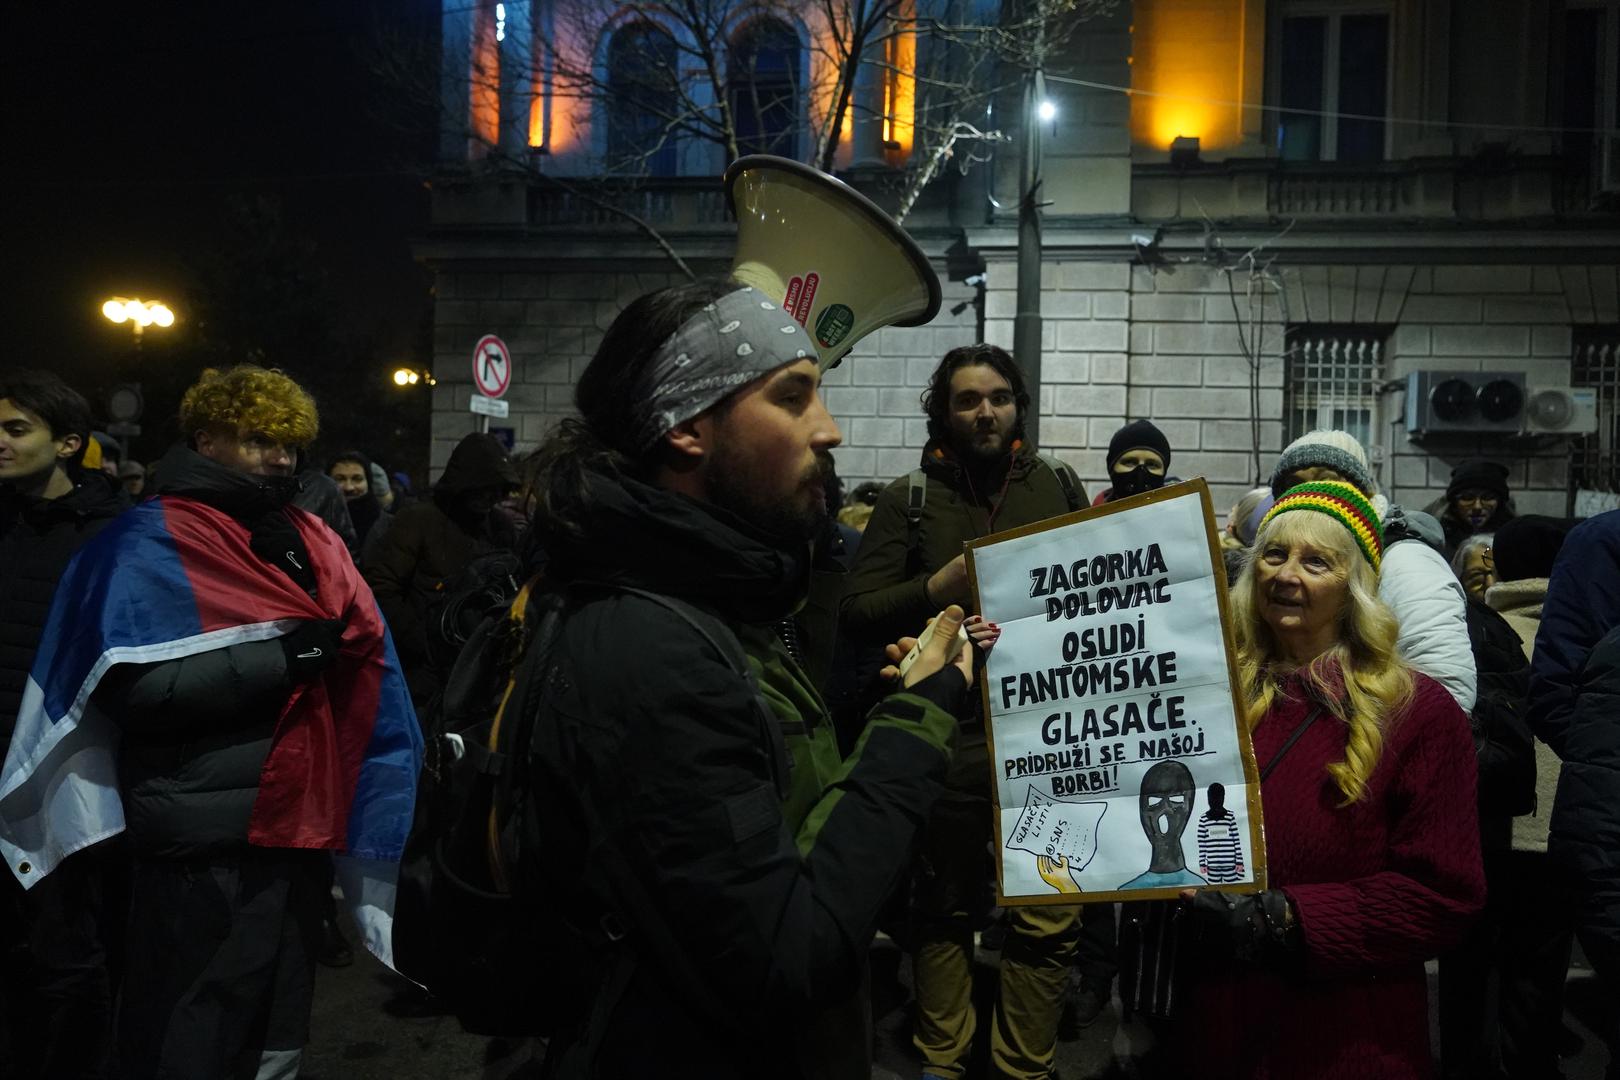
1138	461
1372	834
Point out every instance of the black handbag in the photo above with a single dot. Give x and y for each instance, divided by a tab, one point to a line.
1152	933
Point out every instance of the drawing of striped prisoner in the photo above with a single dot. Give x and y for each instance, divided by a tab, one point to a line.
1220	846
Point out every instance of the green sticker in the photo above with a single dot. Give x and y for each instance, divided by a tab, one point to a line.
834	325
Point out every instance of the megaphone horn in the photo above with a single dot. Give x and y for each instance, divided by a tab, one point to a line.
838	264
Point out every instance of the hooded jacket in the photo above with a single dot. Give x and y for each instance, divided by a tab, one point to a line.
38	537
431	541
771	897
1417	583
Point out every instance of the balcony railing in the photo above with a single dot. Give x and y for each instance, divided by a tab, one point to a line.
1337	193
666	203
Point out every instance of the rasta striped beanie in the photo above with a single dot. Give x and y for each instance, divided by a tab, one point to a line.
1343	503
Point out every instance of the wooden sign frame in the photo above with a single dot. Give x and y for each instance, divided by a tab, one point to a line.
1251	772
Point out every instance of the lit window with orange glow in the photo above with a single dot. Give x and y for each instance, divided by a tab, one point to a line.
899	89
484	100
1189	61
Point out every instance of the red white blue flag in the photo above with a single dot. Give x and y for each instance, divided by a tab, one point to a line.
174	578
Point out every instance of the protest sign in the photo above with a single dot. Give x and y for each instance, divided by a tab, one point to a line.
1122	767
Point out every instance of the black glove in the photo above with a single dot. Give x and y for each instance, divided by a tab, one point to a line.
310	648
1253	928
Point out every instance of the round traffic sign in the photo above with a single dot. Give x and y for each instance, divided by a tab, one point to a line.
492	366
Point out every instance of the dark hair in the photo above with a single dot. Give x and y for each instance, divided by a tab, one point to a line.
600	439
63	408
354	456
936	400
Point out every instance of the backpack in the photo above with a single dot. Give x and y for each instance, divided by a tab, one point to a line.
477	921
917	498
461	604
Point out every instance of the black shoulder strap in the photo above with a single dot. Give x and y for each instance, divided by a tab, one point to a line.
1066	479
724	642
1310	718
916	499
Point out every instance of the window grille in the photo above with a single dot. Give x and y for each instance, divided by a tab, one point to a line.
1595	459
1332	381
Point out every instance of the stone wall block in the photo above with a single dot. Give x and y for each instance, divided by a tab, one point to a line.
1090	400
1482	279
1480	341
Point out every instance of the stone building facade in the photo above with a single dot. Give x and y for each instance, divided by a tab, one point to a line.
1236	299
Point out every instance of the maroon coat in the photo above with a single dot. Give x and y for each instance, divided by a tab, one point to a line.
1379	887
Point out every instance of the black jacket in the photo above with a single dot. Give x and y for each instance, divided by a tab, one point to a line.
770	895
38	537
196	730
1575	707
1506	749
428	544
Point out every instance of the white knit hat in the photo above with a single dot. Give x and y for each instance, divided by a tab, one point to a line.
1336	450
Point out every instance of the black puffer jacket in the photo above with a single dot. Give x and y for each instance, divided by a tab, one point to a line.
38	537
196	730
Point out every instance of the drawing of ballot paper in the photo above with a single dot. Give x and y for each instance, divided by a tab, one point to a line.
1057	829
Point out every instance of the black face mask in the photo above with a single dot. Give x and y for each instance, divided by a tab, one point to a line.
1136	481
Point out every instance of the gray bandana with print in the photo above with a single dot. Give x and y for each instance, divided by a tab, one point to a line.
730	343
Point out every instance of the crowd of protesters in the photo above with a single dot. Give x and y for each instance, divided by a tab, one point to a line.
1444	683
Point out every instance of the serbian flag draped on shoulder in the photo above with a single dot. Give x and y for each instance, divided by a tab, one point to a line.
175	578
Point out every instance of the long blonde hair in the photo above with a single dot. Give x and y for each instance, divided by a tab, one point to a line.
1361	679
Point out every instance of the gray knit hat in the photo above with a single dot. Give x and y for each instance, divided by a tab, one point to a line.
1336	450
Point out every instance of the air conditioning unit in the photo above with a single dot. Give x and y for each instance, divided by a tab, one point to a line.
1560	410
1464	402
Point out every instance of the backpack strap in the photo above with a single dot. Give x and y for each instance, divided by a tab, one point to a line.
916	499
1066	479
724	642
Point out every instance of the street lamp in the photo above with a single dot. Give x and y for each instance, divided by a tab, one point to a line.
138	313
410	377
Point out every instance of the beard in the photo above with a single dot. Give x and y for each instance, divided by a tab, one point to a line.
736	485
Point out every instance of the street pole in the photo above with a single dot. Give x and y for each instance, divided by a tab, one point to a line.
1027	321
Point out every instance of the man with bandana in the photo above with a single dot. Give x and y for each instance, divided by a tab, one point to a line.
699	819
978	476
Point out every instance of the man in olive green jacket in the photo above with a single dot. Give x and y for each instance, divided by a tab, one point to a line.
978	477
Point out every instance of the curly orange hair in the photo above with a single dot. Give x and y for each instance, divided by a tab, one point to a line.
250	399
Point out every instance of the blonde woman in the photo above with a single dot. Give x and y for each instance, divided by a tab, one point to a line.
1371	823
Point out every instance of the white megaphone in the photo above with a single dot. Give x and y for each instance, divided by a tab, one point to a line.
838	264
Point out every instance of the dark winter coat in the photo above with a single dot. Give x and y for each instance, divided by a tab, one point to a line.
1575	707
1379	887
771	897
886	595
1506	749
196	731
38	537
429	543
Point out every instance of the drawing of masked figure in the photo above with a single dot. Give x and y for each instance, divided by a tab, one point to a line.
1166	808
1220	850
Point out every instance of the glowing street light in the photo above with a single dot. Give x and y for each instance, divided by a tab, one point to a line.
138	313
410	377
1047	111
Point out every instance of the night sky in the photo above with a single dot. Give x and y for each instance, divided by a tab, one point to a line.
257	166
